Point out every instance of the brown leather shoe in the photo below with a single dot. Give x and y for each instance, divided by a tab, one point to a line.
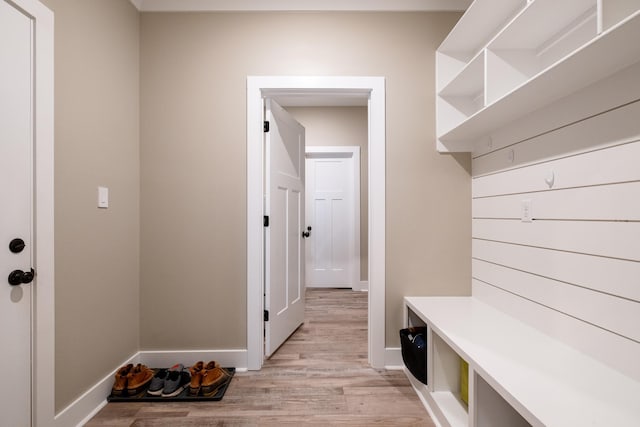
197	372
138	380
214	377
120	384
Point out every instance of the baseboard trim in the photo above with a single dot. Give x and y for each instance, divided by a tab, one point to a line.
93	400
393	358
86	406
362	286
231	358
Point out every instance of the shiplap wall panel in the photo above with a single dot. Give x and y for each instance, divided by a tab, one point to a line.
608	275
615	314
574	271
604	203
607	166
620	353
614	127
609	239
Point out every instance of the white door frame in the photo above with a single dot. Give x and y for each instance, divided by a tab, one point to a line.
315	152
43	356
371	88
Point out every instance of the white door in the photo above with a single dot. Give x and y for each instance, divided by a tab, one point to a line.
16	195
284	245
333	249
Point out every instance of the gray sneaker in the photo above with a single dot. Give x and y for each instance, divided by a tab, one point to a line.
175	382
157	383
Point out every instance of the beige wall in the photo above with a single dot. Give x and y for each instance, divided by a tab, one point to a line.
193	160
96	143
340	126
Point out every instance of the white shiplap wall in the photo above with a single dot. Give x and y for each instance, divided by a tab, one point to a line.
574	271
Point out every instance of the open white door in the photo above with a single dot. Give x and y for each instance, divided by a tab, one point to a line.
284	244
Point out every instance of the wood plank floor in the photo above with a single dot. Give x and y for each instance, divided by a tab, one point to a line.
320	376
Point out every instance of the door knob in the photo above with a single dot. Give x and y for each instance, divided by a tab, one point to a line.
16	246
306	234
19	277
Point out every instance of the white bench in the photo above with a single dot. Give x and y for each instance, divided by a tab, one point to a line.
518	376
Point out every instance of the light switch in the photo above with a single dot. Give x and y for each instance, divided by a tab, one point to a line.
527	215
103	197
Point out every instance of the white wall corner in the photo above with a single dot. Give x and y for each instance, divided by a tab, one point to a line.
86	406
137	3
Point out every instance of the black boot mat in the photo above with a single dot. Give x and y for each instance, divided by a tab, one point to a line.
182	397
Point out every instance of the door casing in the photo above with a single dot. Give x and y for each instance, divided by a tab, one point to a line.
371	89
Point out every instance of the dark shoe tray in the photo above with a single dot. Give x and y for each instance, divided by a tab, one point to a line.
182	397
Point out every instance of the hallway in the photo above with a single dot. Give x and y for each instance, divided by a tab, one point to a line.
318	377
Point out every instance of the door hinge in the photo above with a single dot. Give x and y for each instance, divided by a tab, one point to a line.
265	126
266	315
265	221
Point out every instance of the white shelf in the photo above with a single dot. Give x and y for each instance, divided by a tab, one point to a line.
523	375
464	95
469	82
453	409
524	47
611	51
478	25
542	21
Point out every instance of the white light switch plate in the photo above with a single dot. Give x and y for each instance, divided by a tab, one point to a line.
103	197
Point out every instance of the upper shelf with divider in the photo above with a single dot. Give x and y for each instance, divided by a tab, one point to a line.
542	51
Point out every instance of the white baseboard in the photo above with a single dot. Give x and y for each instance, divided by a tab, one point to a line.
393	358
86	406
362	286
229	358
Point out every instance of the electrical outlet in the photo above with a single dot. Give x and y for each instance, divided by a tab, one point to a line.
526	214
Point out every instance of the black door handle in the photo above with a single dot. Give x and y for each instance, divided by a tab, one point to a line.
306	234
19	277
16	245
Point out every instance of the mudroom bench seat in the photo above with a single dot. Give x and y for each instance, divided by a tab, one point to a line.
517	375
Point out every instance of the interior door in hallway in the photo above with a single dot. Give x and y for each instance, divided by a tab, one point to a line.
332	181
16	248
284	244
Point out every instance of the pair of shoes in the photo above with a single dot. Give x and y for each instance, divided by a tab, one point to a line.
132	380
169	382
207	379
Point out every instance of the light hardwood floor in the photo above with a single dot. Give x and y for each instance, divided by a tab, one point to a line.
320	376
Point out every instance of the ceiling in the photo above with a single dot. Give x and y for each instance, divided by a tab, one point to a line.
301	5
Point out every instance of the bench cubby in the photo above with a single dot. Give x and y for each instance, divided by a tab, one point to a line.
518	376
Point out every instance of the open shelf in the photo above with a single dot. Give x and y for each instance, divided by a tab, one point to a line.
518	375
524	49
478	25
469	82
453	409
604	55
463	96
